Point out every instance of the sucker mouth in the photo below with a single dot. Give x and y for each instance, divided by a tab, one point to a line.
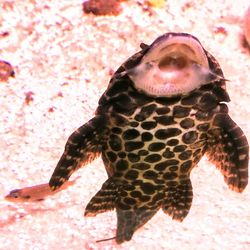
180	45
173	66
177	64
174	61
178	56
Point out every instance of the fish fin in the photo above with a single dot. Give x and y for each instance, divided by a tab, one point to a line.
129	216
128	221
104	200
144	46
83	146
228	149
178	201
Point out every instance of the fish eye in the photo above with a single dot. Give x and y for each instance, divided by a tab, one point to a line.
176	62
14	194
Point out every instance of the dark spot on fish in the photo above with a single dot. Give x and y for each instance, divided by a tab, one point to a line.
170	176
167	133
179	148
111	156
139	118
187	123
162	110
121	165
115	142
208	102
152	158
133	157
146	136
129	201
203	127
190	137
186	166
180	111
172	142
148	110
122	154
130	134
131	175
143	152
134	124
135	194
150	175
173	168
156	146
116	130
191	99
164	120
141	166
203	116
163	165
168	154
185	155
167	100
119	120
140	98
147	188
133	145
148	125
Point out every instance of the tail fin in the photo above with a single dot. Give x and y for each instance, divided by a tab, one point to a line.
83	146
104	200
128	221
228	149
178	201
130	216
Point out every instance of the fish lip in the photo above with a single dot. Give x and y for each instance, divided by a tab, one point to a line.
178	44
187	67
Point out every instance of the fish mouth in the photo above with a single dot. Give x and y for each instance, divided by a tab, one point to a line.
173	61
176	57
172	66
177	51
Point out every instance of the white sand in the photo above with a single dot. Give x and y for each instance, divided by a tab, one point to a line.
55	48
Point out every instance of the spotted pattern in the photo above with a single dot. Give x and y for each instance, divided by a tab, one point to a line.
154	154
149	145
152	150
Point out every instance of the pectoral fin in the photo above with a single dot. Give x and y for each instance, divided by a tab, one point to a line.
83	146
228	149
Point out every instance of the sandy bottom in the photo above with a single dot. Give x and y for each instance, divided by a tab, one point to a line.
65	58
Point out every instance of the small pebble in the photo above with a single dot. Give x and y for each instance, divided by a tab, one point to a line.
29	97
156	3
220	30
6	71
102	7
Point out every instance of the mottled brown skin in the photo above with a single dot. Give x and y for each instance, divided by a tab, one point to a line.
149	145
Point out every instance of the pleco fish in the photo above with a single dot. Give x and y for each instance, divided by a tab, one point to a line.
164	108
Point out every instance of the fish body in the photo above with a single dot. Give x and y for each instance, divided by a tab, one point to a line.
35	193
164	108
